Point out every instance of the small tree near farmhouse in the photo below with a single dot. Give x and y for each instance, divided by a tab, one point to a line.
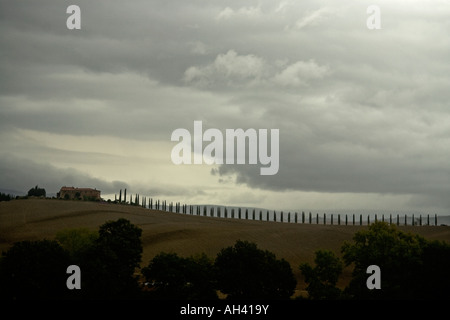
37	192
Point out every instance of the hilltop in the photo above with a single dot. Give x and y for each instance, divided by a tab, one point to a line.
35	219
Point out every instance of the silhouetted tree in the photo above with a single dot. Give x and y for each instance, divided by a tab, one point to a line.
411	267
37	192
5	197
433	281
246	272
323	277
174	277
76	241
108	266
34	270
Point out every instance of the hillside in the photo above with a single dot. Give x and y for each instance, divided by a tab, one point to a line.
186	235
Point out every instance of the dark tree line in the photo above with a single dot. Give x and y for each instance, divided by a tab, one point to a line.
242	271
35	191
108	260
5	197
411	268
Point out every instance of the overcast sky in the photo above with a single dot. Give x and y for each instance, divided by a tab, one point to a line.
363	115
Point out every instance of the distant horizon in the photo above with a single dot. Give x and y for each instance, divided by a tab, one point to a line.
364	212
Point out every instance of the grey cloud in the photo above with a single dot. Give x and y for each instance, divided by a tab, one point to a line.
22	174
234	70
358	111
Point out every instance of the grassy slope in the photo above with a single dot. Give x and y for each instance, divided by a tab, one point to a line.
186	235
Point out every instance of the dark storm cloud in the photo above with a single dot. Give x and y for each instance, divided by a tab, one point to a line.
22	174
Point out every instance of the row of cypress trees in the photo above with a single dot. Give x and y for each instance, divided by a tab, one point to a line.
223	212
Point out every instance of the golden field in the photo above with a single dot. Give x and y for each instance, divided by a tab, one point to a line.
35	219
